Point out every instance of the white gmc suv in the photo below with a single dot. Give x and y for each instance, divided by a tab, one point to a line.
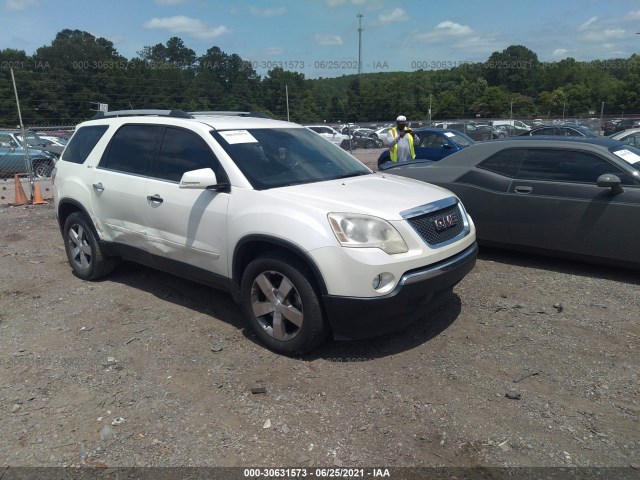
306	238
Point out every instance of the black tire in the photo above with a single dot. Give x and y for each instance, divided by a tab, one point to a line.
43	168
83	250
370	144
281	306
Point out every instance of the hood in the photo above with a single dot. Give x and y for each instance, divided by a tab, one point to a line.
378	194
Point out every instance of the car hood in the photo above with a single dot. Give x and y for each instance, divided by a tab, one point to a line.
376	194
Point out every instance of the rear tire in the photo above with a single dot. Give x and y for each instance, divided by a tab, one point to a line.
83	250
282	306
43	168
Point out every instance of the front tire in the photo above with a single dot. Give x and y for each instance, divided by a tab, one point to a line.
282	306
83	250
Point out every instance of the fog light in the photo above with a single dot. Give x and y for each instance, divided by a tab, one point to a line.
383	282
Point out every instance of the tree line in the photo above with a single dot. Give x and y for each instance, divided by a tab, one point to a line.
62	83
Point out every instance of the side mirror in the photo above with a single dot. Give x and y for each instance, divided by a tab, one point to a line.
203	179
609	180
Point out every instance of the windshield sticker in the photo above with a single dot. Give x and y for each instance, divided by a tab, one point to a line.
628	156
449	134
238	136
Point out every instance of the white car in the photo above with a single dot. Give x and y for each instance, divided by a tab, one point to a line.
306	238
630	137
330	134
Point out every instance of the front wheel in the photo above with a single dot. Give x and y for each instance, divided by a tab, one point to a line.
370	144
83	250
282	306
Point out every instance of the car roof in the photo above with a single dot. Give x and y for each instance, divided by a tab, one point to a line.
605	142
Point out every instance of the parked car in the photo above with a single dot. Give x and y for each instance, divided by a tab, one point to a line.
626	124
306	238
469	129
518	125
365	138
330	134
382	132
562	130
609	127
629	137
567	196
434	144
13	155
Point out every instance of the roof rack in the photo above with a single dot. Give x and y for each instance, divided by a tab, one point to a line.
132	113
221	113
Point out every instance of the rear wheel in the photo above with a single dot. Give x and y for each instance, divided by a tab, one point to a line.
83	250
370	144
43	168
282	306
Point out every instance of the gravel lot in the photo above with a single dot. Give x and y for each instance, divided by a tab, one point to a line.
534	362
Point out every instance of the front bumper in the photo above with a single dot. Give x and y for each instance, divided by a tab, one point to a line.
416	294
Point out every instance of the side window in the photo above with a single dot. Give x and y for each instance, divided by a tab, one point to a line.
567	166
182	151
82	143
132	149
505	162
5	141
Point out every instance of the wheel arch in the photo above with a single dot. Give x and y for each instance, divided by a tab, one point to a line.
253	246
66	207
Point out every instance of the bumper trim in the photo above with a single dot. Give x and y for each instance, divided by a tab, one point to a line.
416	294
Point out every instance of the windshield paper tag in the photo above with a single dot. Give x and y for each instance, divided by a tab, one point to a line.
628	156
240	136
449	134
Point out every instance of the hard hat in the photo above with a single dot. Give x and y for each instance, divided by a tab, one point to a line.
401	119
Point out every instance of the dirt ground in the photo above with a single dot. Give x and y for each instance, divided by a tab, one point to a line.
533	362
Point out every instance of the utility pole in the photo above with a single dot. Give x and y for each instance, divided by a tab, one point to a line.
359	15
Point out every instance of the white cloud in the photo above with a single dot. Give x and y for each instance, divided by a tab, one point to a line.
19	5
396	15
445	30
560	53
273	51
633	15
603	35
187	26
586	25
328	39
267	12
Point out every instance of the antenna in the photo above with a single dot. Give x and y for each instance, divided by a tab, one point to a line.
359	15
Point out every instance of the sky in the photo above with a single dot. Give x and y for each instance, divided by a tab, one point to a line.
327	38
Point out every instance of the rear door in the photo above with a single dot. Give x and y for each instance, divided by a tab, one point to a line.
554	203
119	183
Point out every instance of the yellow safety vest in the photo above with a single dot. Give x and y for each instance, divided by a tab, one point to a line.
393	151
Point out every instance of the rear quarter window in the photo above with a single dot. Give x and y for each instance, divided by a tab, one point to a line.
82	143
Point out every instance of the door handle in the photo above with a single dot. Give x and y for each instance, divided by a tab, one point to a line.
98	186
523	189
155	198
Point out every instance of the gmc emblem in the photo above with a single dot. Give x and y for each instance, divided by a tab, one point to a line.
442	223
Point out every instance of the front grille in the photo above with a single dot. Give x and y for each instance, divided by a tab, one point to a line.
427	225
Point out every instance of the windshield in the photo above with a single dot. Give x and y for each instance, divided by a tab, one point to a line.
33	140
628	154
271	158
458	139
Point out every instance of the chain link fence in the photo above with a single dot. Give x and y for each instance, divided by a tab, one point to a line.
27	159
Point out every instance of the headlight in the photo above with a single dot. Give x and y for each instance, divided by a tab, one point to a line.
364	231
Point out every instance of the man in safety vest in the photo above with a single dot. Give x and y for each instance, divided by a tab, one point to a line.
400	141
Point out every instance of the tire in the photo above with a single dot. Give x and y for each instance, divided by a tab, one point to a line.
281	306
83	250
43	168
370	144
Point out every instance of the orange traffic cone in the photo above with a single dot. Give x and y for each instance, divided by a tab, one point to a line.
21	198
37	196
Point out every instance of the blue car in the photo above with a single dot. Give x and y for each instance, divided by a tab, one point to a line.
434	144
